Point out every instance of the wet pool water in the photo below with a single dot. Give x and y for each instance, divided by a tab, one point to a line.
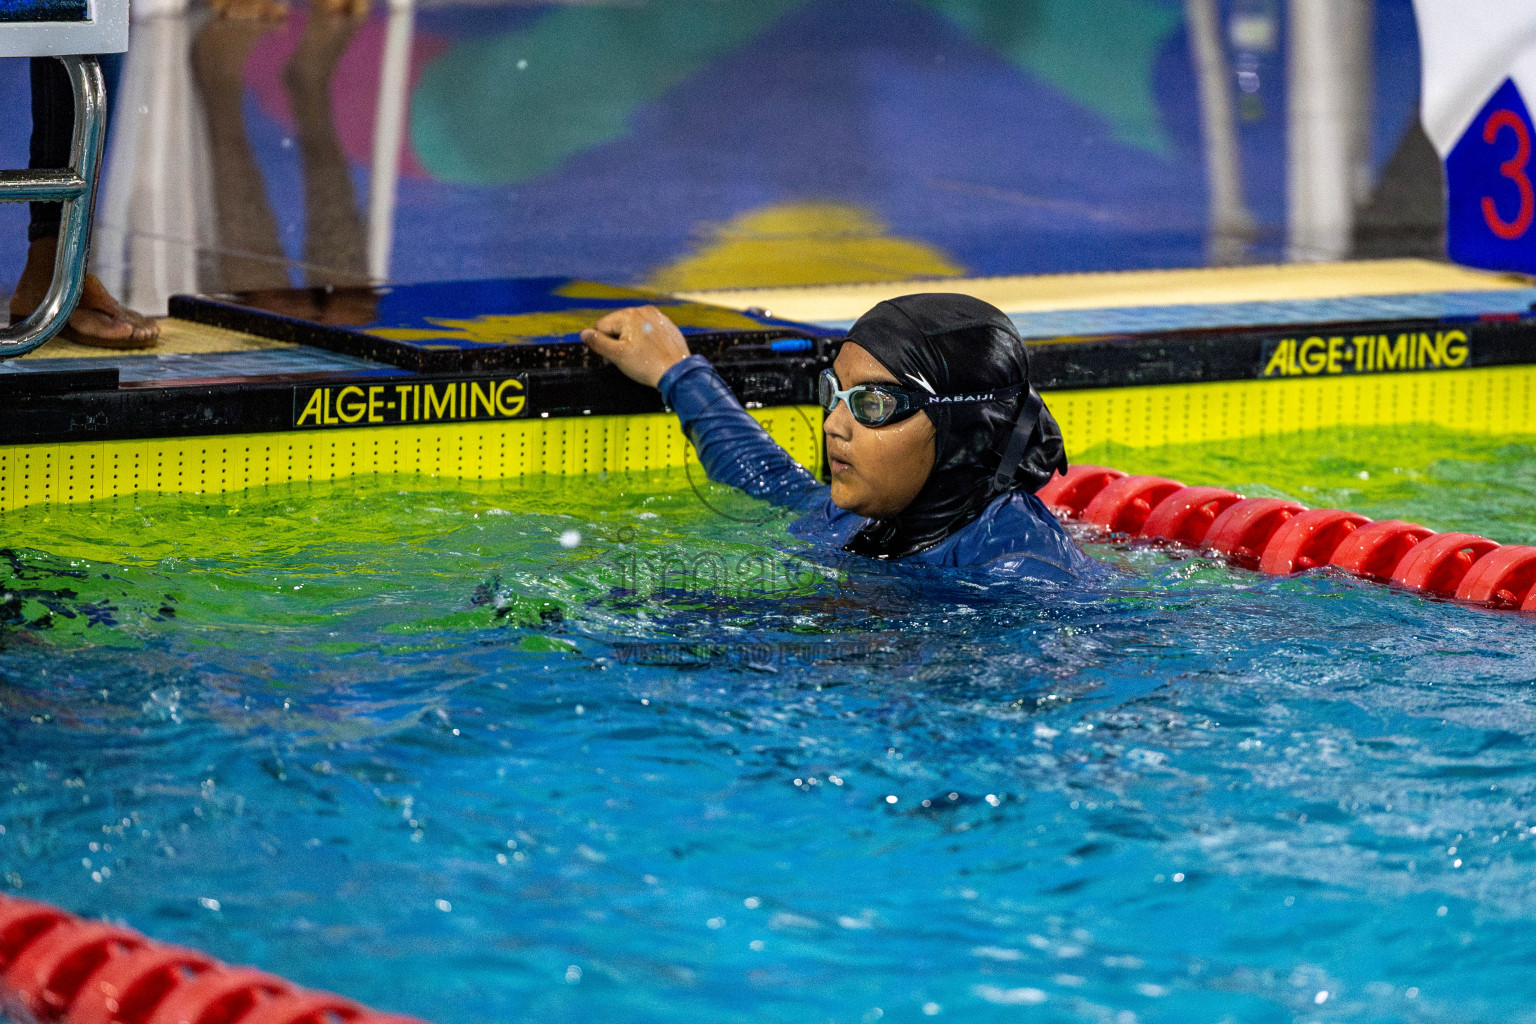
424	745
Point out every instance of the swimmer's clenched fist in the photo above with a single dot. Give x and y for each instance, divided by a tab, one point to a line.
640	341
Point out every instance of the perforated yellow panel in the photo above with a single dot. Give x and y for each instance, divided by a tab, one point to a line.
83	471
1492	400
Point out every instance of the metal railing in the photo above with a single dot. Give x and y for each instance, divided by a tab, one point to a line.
75	187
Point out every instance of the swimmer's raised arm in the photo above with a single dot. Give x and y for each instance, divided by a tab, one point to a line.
735	449
640	341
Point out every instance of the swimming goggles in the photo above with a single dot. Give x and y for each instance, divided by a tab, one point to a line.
877	405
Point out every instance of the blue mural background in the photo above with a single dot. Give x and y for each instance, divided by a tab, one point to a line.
672	141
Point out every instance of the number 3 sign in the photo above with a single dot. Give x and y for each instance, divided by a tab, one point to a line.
1491	197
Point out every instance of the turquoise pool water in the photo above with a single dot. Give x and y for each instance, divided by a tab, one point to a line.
399	740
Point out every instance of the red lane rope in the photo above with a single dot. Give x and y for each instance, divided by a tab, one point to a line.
58	969
1281	537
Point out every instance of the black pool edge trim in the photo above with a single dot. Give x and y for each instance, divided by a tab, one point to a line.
59	406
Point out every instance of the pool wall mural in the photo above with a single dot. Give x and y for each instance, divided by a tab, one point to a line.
721	144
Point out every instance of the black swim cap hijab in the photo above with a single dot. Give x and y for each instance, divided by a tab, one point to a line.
949	345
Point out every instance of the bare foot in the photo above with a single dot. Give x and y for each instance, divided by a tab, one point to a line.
99	320
251	10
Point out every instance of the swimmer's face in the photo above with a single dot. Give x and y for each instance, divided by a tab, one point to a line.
876	471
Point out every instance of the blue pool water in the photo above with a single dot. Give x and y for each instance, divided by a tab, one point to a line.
399	741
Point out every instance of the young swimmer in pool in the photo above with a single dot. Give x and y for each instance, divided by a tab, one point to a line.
936	438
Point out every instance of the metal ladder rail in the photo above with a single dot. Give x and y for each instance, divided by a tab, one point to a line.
75	187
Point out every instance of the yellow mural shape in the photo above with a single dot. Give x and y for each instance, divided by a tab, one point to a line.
579	289
803	243
520	328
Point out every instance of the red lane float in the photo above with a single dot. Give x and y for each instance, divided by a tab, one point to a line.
128	988
57	969
1185	516
1375	550
1308	539
1124	504
22	921
1278	537
226	995
1438	564
1244	530
1504	577
1071	492
50	972
304	1008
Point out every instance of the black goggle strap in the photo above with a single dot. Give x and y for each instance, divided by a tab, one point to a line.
920	398
1018	441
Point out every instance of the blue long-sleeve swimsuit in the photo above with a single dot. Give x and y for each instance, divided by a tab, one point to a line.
1015	532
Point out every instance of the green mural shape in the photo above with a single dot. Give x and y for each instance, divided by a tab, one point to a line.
1099	52
509	108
